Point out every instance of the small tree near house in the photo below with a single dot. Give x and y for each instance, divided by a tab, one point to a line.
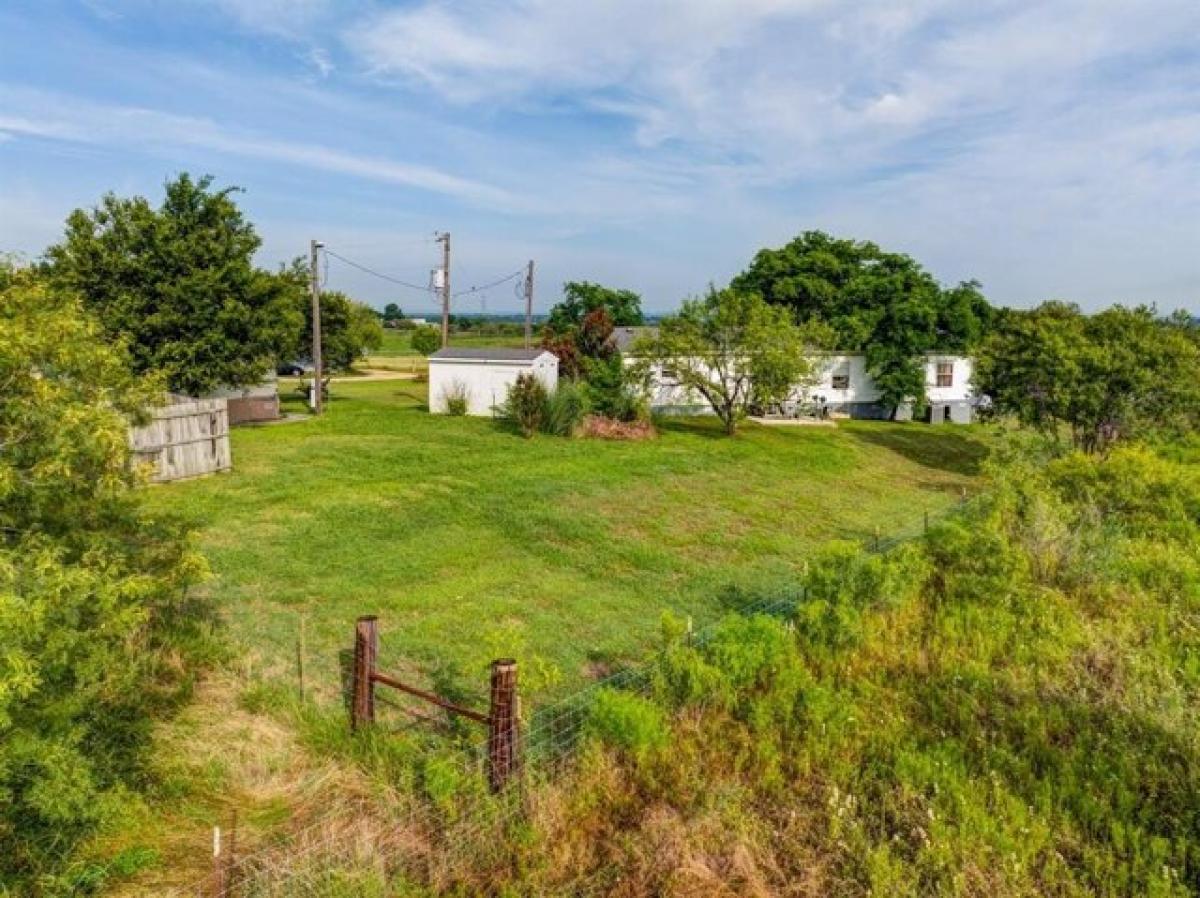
732	349
426	340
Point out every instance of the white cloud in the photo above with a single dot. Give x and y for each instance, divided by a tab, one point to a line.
283	18
793	82
123	126
320	60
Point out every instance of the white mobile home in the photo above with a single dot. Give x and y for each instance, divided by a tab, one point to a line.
843	386
840	385
482	376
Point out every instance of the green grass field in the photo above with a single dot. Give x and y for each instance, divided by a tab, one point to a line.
397	353
471	542
398	343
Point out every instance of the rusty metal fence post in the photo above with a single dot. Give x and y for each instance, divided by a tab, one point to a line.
366	650
504	738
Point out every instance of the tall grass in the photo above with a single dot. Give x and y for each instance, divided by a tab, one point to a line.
1005	707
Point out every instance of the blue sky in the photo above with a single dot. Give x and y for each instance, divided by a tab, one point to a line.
1048	149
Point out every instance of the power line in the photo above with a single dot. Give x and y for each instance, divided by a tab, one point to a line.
380	275
495	283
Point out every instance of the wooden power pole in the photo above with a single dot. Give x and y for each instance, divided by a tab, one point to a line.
529	305
444	239
314	282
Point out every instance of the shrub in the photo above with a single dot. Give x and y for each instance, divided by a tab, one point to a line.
456	398
627	722
97	631
526	404
426	339
565	409
616	391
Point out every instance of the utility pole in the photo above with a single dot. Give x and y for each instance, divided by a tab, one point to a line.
314	282
529	305
444	239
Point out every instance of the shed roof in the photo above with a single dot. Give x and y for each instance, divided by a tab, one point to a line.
487	354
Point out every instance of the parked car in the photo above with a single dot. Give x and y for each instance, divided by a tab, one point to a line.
293	369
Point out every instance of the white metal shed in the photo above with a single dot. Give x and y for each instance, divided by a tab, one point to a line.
484	375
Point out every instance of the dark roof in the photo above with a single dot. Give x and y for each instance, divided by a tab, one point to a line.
625	337
488	354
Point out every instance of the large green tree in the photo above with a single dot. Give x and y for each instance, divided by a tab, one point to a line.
732	349
177	284
1099	378
868	300
349	329
624	307
95	617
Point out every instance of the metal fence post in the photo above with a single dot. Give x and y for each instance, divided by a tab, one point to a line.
366	649
504	744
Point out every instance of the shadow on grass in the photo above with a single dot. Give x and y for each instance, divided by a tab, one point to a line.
933	447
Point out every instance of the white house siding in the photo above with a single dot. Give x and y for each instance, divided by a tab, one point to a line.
858	398
484	378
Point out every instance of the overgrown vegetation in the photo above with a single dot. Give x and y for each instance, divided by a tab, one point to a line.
98	632
1006	706
1114	375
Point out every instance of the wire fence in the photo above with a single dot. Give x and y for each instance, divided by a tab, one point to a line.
364	845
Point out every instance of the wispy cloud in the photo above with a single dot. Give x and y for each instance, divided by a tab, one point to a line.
74	120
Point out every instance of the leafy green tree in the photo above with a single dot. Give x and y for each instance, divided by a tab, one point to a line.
1101	377
392	312
95	618
426	340
734	350
349	329
884	304
177	285
624	307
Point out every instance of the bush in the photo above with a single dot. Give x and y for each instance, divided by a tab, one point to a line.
565	409
97	631
456	398
616	391
426	340
526	404
627	722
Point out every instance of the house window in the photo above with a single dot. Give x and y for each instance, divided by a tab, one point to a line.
670	374
841	379
945	374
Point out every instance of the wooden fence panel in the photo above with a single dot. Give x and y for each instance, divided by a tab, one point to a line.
187	439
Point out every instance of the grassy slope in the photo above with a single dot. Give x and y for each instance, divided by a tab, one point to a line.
471	542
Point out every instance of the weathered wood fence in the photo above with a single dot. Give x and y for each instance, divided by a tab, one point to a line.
186	439
502	719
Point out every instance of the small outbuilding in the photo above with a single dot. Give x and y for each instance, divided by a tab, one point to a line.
480	378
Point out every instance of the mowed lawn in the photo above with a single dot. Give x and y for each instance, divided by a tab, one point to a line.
470	542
